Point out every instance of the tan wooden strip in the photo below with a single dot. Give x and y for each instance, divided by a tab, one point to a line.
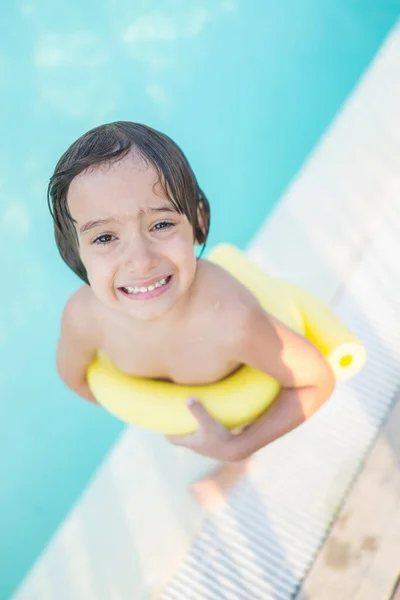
360	559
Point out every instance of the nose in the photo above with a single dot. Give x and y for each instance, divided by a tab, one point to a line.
139	256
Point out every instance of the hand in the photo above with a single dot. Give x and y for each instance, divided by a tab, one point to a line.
212	439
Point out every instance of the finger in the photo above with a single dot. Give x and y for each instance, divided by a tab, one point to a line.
204	419
181	440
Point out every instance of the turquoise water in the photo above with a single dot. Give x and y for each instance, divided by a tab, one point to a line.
246	88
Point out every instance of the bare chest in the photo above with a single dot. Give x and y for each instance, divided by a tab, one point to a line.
188	358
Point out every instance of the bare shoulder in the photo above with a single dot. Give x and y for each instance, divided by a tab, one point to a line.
80	318
252	336
232	303
79	340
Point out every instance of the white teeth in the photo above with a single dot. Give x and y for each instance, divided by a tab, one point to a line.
160	283
150	288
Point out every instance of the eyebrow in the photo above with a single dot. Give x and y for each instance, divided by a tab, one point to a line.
114	219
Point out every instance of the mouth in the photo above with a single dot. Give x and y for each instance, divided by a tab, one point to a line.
146	292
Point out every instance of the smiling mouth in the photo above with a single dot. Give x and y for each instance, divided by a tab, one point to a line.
136	291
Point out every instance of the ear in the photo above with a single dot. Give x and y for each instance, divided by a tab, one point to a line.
202	221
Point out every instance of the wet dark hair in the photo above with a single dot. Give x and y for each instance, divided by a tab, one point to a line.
108	144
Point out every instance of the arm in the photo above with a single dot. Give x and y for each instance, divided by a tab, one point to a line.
305	376
306	383
77	345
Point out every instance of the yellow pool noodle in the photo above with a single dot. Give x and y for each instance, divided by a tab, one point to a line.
245	395
343	351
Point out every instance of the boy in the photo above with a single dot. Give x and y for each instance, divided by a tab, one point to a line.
128	212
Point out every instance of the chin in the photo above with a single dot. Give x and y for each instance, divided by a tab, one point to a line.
147	314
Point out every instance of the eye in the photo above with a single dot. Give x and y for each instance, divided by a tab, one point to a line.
104	239
163	225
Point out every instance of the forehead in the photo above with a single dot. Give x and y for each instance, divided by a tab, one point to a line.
126	186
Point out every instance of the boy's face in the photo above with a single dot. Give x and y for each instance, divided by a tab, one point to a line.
137	250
